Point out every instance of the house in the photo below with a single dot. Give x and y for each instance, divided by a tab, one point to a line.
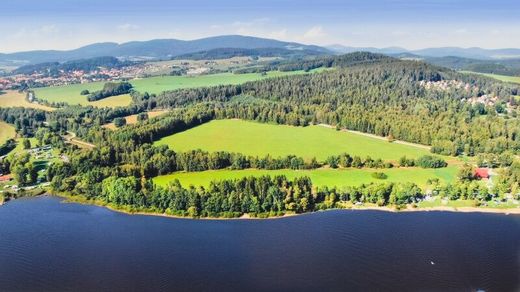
482	173
5	178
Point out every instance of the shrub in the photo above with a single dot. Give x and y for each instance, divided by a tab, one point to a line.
379	175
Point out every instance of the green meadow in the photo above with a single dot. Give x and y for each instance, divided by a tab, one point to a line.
513	79
71	93
6	132
320	177
258	139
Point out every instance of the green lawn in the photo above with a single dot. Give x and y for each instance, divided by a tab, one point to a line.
320	177
71	93
6	132
513	79
259	139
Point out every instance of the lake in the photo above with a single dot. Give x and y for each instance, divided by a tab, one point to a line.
47	245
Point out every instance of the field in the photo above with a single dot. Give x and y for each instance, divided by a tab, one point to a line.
259	139
133	119
513	79
12	98
6	132
320	177
71	93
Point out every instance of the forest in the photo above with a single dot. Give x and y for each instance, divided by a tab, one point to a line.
365	92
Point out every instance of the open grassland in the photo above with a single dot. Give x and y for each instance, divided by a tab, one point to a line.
12	98
259	139
71	93
320	177
6	132
513	79
133	119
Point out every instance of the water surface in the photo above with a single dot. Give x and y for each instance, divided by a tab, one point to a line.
46	245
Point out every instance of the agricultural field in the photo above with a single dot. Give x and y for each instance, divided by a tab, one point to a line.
71	93
133	119
12	98
513	79
320	177
258	139
6	132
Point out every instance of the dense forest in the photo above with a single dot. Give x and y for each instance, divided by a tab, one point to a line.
54	68
406	100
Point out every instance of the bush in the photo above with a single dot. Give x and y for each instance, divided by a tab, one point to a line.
119	122
429	161
379	175
85	92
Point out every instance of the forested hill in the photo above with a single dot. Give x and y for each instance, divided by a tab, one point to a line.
52	68
225	53
408	100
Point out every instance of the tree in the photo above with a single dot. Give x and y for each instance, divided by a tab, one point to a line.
119	122
466	173
26	144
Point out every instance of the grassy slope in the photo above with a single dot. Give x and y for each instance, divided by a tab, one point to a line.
6	132
258	139
320	177
12	98
71	93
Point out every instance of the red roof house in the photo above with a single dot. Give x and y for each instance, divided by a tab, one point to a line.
482	173
6	177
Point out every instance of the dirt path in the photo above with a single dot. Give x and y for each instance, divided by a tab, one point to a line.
71	138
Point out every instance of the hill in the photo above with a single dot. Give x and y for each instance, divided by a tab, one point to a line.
225	53
153	49
472	53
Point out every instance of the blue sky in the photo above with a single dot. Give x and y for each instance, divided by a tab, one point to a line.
66	24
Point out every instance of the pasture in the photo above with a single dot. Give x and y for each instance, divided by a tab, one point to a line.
12	98
71	93
6	132
504	78
320	177
258	139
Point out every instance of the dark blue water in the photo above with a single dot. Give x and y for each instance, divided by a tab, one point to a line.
46	245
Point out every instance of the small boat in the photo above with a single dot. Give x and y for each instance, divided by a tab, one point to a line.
432	263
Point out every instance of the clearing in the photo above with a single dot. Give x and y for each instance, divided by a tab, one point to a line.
320	177
71	93
133	118
513	79
13	98
258	139
6	132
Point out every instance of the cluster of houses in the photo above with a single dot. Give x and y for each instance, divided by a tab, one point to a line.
445	85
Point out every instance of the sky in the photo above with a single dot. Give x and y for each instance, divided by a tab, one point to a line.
66	24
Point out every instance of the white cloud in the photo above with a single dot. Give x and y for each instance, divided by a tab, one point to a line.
461	31
279	34
128	27
48	29
315	33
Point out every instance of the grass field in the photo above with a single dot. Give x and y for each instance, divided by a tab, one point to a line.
320	177
13	98
133	119
259	139
6	132
513	79
71	93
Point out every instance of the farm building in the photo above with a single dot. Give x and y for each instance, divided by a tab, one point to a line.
482	173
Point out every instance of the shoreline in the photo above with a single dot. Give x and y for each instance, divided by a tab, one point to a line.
80	200
409	208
